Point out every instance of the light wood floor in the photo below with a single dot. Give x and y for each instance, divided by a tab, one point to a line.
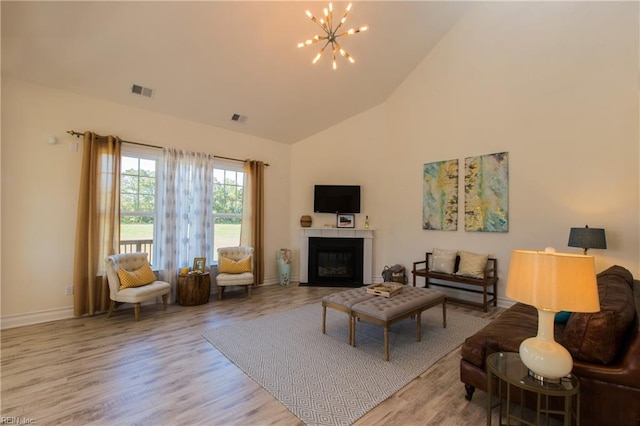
161	371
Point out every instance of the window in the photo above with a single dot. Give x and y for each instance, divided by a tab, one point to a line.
228	183
138	189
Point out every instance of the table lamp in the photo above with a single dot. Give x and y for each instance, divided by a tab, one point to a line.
587	238
551	282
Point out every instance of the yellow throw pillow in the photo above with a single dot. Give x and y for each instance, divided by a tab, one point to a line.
230	266
137	278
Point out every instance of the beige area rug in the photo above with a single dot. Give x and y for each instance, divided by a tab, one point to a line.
321	378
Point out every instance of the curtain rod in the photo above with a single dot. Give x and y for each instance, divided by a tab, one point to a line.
78	134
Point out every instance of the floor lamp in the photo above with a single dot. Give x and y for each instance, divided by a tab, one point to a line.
551	282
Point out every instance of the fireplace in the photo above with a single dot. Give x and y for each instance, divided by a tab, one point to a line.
336	262
362	269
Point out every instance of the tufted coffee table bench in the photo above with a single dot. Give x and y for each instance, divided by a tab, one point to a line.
343	301
387	311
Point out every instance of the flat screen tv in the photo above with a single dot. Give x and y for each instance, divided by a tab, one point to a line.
336	199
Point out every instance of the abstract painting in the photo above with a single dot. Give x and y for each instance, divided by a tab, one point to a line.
486	190
440	196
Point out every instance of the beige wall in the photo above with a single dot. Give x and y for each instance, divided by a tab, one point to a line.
554	84
40	185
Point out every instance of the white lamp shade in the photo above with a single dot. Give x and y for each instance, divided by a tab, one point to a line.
553	281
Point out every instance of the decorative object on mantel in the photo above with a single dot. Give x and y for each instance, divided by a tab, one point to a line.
587	238
366	222
551	282
331	34
486	193
305	221
440	195
345	220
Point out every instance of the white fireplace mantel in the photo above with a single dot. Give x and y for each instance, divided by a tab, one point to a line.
365	234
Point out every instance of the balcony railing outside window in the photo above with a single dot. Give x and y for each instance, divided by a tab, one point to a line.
138	246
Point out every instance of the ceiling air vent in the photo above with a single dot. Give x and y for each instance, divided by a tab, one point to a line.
238	118
143	91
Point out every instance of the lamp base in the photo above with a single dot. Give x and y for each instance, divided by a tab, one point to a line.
546	359
543	379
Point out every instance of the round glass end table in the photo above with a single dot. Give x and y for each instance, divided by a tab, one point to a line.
510	378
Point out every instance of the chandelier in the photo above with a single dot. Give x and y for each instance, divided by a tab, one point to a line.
330	36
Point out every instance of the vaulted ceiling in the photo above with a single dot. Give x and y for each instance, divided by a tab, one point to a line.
206	61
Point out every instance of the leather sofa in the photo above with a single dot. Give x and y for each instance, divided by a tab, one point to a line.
605	347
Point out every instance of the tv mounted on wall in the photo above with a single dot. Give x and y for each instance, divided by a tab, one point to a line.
336	199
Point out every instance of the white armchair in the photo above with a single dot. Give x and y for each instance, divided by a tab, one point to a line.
235	268
133	262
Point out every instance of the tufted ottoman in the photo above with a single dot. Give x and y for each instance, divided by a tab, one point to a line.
343	301
387	311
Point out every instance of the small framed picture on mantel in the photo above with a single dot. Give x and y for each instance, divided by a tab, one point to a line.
345	221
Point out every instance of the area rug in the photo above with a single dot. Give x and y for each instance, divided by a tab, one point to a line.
321	378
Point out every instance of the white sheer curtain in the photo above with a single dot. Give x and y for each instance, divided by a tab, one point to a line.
185	215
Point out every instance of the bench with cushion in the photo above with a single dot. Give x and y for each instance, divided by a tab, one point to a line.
450	268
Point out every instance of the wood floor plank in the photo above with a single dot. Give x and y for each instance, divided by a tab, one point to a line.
160	370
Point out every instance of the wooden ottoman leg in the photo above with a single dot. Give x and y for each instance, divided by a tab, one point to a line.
386	341
444	313
164	301
419	326
324	320
353	330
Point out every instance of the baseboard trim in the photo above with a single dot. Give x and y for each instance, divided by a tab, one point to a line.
31	318
19	320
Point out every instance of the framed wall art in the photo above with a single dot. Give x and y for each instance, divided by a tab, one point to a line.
345	221
199	264
440	195
486	193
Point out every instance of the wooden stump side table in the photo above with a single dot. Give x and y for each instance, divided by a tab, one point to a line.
194	289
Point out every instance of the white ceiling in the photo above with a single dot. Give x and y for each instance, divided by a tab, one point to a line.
209	60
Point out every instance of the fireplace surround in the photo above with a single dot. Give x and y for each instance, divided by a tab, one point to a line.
336	257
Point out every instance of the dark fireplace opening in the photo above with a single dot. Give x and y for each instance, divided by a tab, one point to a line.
336	262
